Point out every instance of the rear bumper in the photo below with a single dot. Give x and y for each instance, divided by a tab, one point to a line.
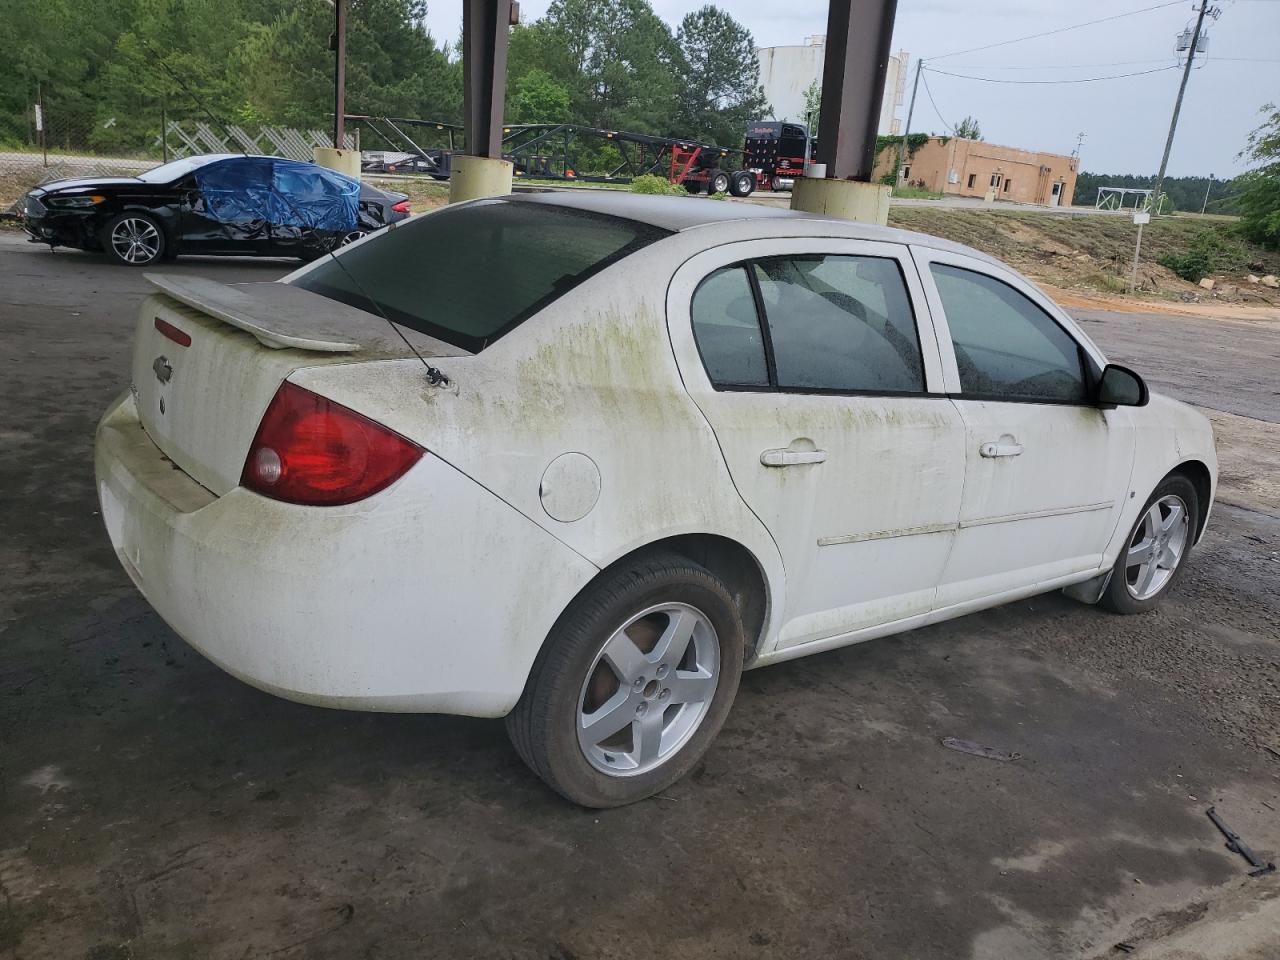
432	596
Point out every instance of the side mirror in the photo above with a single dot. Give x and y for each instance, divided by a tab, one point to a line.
1121	387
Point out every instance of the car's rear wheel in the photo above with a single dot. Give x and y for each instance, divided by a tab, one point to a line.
634	682
133	239
1156	550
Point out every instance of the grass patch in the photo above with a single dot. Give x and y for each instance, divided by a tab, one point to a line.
1095	251
905	192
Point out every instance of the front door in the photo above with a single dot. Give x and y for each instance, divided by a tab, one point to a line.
226	207
823	385
1046	470
1055	195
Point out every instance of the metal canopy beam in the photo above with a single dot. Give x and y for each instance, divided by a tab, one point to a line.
485	29
859	33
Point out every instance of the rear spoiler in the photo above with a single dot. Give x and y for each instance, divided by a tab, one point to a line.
278	314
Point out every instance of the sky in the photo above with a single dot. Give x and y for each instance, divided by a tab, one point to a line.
1125	121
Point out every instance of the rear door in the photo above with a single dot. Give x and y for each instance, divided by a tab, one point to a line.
816	366
1046	469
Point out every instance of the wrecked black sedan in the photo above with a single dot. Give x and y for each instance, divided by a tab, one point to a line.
226	204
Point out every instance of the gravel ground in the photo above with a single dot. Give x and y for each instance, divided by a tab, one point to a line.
153	807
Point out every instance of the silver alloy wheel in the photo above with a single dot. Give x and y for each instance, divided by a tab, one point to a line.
135	240
648	689
1157	547
720	183
351	237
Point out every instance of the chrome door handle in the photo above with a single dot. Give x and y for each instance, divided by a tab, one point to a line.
790	458
1005	448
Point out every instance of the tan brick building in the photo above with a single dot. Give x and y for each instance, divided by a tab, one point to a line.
970	168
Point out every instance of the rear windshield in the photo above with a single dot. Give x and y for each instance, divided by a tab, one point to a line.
469	274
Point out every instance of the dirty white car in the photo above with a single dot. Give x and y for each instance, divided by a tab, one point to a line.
644	443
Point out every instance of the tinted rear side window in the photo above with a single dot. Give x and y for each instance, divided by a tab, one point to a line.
727	329
472	273
841	323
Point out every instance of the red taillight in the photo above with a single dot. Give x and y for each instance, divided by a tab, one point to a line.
313	451
401	207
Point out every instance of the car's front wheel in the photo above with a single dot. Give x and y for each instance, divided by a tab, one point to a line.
633	683
1157	548
134	239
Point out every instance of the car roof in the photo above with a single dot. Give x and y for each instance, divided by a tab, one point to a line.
680	214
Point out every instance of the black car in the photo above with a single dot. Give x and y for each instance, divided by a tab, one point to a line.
227	204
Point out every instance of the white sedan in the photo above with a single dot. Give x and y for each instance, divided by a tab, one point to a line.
579	459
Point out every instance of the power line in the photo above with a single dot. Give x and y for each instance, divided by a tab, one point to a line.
1050	33
1113	76
1060	66
929	93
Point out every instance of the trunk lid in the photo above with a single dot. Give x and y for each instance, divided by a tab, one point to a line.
208	357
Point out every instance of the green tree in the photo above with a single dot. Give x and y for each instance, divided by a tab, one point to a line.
1259	196
621	60
968	129
538	98
720	77
812	106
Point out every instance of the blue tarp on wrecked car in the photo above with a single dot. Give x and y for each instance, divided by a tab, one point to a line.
252	192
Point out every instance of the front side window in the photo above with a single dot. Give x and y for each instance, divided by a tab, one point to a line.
840	323
1006	347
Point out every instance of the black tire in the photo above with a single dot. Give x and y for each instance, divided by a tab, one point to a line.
742	183
719	182
146	249
544	724
1120	595
693	186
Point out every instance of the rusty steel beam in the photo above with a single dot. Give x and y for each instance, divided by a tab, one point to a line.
859	33
485	28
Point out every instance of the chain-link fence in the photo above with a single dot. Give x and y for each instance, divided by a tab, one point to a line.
60	141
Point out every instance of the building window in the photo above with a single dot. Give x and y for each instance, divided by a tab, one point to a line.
906	173
995	180
1006	185
973	178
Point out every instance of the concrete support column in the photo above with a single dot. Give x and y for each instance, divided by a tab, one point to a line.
344	161
474	177
847	199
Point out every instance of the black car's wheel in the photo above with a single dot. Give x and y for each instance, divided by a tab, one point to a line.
1156	551
134	239
634	682
352	237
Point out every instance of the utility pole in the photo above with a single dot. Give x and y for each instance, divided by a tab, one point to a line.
1154	209
1205	9
338	43
911	107
1208	187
